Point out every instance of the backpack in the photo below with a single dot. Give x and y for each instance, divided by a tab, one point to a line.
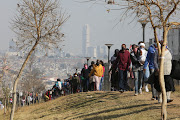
175	70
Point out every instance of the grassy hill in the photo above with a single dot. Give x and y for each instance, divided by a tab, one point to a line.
99	106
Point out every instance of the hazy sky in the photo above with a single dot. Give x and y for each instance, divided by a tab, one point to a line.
103	28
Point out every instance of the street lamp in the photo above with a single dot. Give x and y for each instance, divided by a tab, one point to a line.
76	69
87	58
143	23
109	46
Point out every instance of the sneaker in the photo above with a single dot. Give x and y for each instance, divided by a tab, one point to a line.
135	94
146	89
121	90
153	98
140	91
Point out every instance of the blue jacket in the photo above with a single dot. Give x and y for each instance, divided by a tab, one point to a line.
150	57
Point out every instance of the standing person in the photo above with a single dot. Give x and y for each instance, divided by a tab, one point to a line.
84	74
75	81
114	73
102	78
123	62
58	87
150	61
91	85
137	69
169	83
28	99
98	72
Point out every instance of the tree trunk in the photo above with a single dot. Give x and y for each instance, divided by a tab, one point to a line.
17	79
161	77
157	41
5	106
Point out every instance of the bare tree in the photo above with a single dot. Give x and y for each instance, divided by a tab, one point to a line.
37	24
159	13
162	14
5	80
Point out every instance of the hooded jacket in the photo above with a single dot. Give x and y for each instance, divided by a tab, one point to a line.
150	57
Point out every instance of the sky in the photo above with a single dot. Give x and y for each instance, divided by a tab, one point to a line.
104	27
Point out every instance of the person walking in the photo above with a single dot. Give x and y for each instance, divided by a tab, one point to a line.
169	83
102	78
142	58
114	72
123	62
150	61
98	72
91	85
137	69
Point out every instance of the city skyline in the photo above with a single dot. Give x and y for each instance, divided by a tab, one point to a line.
105	26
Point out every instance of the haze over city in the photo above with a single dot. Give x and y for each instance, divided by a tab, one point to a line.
104	26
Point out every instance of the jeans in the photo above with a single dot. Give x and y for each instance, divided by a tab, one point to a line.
101	83
138	80
154	92
122	76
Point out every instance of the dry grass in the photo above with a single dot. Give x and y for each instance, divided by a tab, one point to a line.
100	106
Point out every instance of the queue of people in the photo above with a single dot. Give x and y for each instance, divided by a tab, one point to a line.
140	64
136	63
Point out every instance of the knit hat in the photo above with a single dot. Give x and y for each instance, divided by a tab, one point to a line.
142	44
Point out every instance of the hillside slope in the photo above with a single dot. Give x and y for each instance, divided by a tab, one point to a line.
99	106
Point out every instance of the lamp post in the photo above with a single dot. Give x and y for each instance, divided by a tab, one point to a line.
76	69
87	58
143	23
109	46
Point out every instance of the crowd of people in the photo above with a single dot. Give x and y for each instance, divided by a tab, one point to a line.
90	79
140	64
136	64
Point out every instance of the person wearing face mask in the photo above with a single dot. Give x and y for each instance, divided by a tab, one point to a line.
123	62
137	69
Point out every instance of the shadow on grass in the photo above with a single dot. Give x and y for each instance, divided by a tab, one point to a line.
119	115
121	108
85	103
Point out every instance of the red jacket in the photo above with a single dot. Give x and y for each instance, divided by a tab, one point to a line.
123	60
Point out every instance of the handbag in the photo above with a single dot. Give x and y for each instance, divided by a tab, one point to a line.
175	70
151	78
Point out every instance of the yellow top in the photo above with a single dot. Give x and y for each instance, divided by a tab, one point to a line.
97	70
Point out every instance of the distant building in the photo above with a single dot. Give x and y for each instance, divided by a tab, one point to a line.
92	52
101	51
85	39
174	42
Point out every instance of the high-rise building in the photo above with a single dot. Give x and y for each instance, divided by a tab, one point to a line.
85	39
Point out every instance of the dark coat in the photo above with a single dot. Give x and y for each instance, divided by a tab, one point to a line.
85	73
135	61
